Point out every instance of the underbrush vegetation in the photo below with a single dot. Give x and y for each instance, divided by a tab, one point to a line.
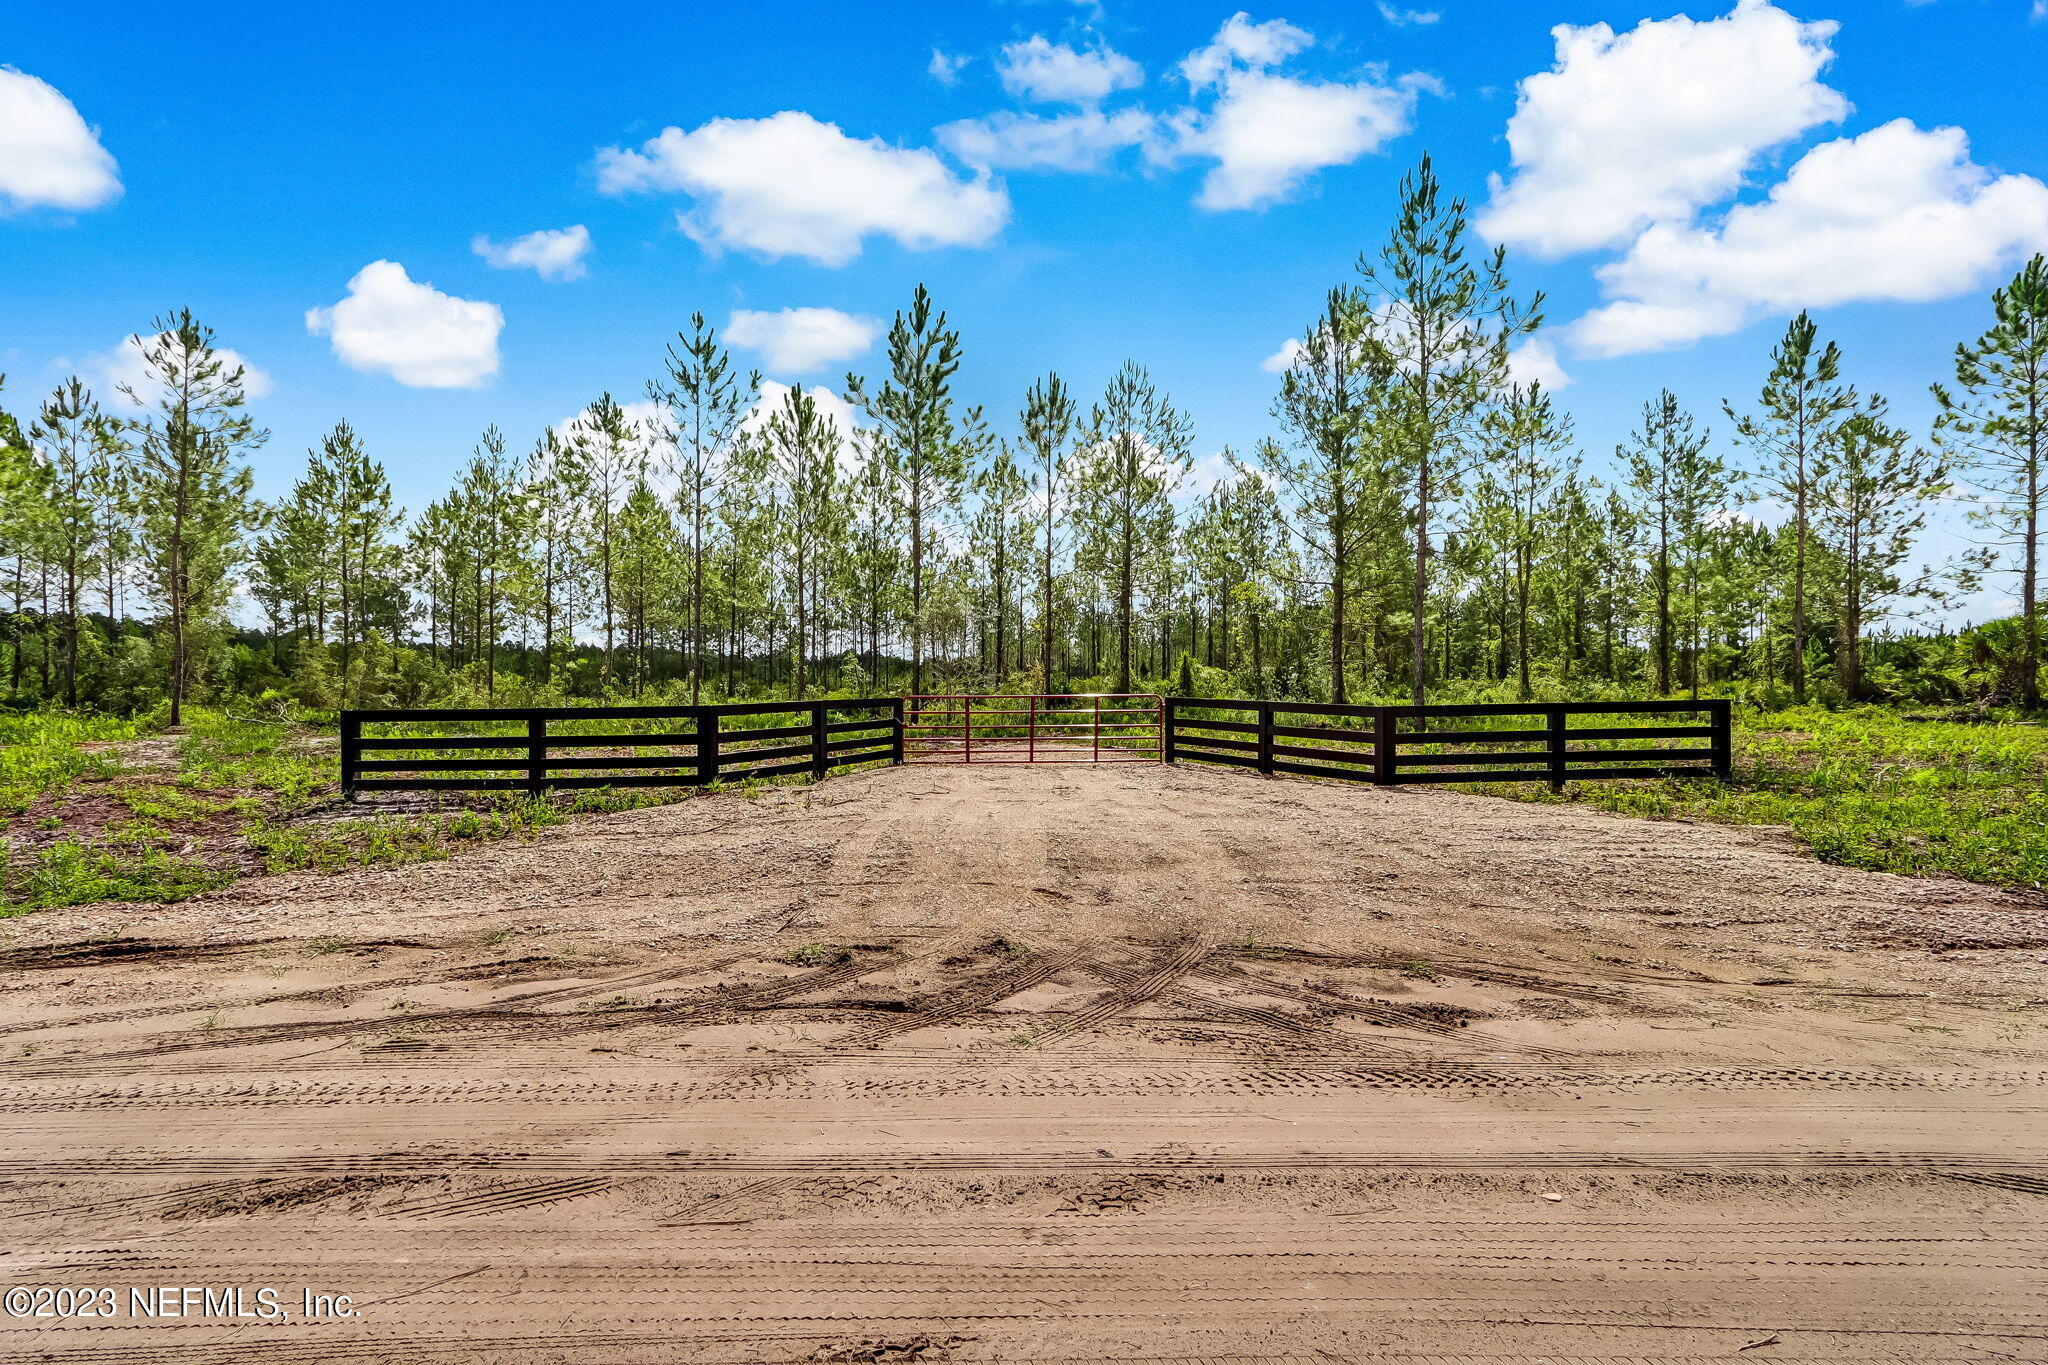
1869	787
94	808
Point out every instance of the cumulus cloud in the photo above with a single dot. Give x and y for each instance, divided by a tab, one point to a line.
1268	133
49	158
1056	73
1240	43
1283	359
789	185
1535	362
944	67
796	340
1898	213
1081	141
421	337
1644	127
551	253
648	422
123	367
831	407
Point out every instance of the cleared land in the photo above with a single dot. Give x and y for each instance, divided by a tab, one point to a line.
1048	1064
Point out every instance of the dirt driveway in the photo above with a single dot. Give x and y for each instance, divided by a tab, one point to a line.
1052	1064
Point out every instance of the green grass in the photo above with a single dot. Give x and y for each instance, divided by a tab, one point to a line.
39	751
1869	787
228	806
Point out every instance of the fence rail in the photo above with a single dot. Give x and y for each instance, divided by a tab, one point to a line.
533	749
700	747
1393	745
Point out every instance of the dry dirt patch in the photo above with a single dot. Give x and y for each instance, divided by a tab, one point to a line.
1063	1063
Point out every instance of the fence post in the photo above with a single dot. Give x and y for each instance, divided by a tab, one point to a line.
820	757
536	754
1265	738
1722	741
707	745
896	730
351	752
1383	746
1166	719
1558	717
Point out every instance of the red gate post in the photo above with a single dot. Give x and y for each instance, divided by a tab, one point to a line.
1096	736
1031	743
967	725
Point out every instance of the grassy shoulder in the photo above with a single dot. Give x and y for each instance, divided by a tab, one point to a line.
96	809
1869	787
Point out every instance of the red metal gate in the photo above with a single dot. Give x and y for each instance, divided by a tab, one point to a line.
995	727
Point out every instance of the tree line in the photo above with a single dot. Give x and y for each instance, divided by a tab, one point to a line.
1421	522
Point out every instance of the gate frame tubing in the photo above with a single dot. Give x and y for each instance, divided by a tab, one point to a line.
960	723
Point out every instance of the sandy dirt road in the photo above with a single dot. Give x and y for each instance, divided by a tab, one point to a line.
1055	1064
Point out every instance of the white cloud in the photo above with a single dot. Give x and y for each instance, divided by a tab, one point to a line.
1283	359
648	423
1535	362
124	366
789	185
421	337
1242	43
1402	18
1053	72
796	340
831	407
551	253
944	67
1897	213
1080	141
1268	133
1646	126
49	158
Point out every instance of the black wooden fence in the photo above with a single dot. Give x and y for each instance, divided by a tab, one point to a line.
1392	745
515	748
665	746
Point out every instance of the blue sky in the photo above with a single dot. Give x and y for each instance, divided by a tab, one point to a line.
1214	177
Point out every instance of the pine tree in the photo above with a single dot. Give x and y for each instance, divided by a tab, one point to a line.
1000	531
914	410
1999	418
1801	404
1138	453
703	405
79	447
1658	461
1440	335
1870	504
1049	421
614	460
191	486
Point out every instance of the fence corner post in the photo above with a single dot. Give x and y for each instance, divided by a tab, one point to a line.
1557	716
1383	746
1720	715
820	756
896	730
1166	719
537	754
1266	738
351	752
707	744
